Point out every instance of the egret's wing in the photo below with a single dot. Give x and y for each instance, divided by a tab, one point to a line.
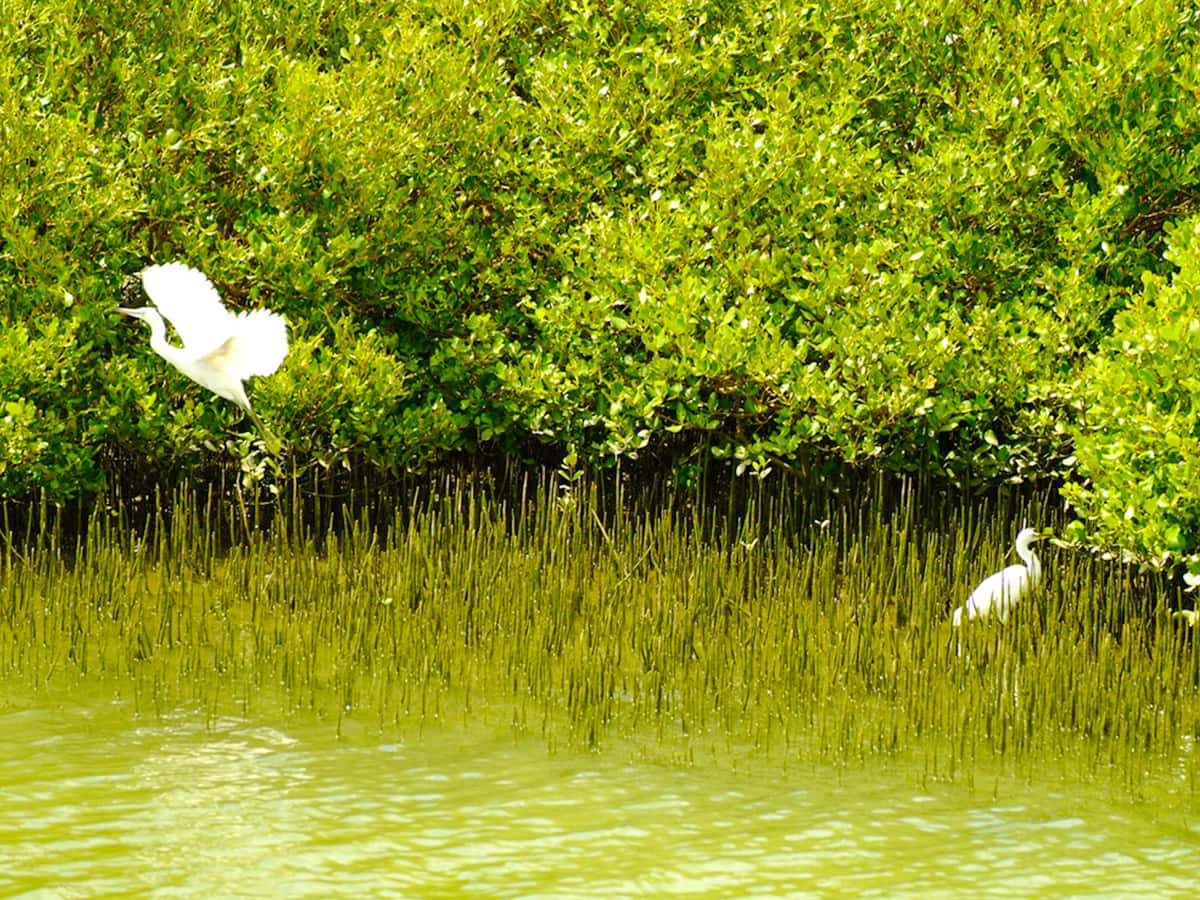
187	299
256	345
980	601
1016	582
999	592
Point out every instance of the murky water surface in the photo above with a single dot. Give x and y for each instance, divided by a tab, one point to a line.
97	801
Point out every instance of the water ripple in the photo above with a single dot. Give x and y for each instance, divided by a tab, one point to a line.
97	804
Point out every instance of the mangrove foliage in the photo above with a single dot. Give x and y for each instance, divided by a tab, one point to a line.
958	241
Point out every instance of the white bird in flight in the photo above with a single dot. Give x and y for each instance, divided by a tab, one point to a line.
220	349
1002	590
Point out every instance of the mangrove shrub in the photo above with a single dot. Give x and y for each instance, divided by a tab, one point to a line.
768	233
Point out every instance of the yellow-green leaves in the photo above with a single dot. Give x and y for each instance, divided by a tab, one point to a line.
887	234
1138	442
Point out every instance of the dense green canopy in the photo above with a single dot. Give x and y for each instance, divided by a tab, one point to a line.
907	234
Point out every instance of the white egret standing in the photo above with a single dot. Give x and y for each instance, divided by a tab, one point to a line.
220	349
1002	590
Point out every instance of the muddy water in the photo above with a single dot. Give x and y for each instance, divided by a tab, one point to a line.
96	800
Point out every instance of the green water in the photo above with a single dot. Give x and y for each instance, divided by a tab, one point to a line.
97	800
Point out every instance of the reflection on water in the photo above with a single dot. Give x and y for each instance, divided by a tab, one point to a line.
94	802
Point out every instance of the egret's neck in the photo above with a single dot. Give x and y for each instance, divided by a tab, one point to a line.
176	356
1031	562
158	336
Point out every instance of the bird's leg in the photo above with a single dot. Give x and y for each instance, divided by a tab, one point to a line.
272	443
